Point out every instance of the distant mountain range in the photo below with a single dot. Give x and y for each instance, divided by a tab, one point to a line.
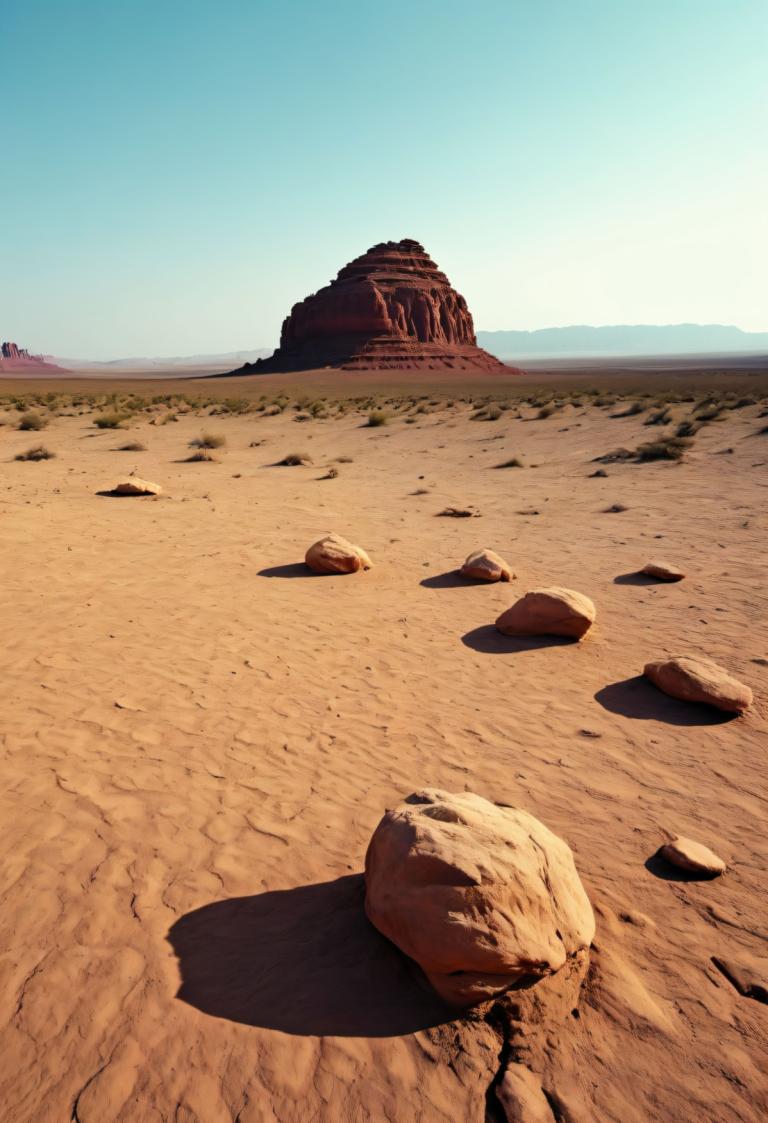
624	339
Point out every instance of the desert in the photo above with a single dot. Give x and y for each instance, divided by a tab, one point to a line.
201	736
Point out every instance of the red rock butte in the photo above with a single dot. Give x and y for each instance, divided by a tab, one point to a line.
14	358
391	308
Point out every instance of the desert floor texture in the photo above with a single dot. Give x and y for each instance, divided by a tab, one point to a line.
199	737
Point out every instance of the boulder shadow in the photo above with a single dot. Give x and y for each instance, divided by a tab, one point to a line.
295	569
488	640
638	578
113	494
452	579
303	961
665	871
638	698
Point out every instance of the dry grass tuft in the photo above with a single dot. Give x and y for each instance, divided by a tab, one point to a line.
31	421
208	440
39	452
293	459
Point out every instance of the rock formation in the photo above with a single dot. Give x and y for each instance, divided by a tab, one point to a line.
549	612
14	358
694	678
390	308
481	897
333	554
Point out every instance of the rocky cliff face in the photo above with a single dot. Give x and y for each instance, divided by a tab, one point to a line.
15	358
390	308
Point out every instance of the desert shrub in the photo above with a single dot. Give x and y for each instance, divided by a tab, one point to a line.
668	448
295	458
688	428
742	403
132	446
615	509
612	457
659	417
303	417
546	411
110	421
31	421
39	452
513	462
201	454
708	411
208	440
631	411
331	474
376	418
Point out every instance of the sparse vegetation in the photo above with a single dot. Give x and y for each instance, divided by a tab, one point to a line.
376	418
631	411
200	455
110	421
659	417
668	448
31	421
294	459
687	428
331	474
208	440
39	452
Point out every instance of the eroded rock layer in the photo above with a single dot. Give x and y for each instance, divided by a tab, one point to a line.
390	308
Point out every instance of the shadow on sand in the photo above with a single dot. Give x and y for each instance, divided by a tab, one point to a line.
303	961
452	579
637	578
295	569
113	494
489	641
638	698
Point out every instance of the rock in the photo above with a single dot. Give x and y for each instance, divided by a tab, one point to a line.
389	308
549	612
333	554
134	486
691	856
480	896
521	1097
694	678
663	571
485	565
13	357
749	976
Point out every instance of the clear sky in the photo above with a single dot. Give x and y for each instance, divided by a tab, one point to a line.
175	174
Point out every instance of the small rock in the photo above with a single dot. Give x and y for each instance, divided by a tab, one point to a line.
134	486
663	571
694	678
691	856
334	554
521	1097
485	565
552	612
600	474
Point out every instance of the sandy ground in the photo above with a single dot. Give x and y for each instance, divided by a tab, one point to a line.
198	739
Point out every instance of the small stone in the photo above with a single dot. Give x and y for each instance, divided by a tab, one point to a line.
663	571
334	554
693	857
134	486
485	565
694	678
554	611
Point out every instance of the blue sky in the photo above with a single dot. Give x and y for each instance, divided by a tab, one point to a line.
177	173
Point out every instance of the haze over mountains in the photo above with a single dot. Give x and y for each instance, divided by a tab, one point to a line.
624	339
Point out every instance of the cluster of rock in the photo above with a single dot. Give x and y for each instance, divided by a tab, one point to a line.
390	308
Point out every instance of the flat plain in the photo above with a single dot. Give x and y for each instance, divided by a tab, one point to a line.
199	737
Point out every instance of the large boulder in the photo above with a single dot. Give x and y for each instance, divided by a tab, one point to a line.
333	554
134	486
485	565
694	678
480	896
549	612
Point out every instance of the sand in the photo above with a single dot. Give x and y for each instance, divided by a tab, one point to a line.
199	737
